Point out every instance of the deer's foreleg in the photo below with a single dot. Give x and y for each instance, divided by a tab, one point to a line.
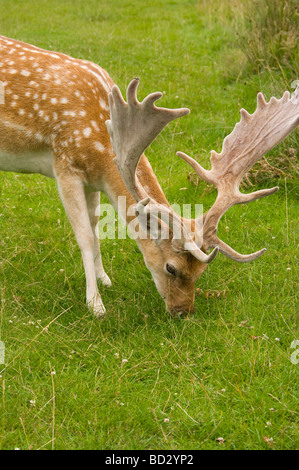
93	206
73	196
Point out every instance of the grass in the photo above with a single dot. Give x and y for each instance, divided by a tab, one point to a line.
269	34
138	379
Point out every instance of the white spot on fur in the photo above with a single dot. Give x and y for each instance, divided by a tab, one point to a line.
99	146
104	105
95	126
87	132
69	113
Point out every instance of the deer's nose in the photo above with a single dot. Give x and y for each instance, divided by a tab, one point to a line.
180	311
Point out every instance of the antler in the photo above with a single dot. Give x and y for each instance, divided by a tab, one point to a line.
251	138
132	128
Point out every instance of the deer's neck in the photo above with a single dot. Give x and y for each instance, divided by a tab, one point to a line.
122	200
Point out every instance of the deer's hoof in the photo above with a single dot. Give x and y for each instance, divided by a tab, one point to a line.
97	307
105	280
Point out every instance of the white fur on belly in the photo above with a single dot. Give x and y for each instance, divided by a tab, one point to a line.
31	162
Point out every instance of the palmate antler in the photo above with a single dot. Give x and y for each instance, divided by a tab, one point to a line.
133	127
251	138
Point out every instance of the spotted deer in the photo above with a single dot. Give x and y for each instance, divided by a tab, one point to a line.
64	118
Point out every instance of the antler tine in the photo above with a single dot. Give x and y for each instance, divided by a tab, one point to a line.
251	138
132	92
152	98
206	175
234	255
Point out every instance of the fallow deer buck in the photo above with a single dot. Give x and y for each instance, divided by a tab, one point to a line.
53	122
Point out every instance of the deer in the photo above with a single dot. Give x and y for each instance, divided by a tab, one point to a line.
64	118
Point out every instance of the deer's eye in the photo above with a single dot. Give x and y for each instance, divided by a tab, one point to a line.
171	269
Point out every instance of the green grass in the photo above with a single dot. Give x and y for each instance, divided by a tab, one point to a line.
225	371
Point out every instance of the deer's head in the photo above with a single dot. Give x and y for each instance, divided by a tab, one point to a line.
177	260
174	274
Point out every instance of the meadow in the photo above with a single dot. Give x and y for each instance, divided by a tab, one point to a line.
139	379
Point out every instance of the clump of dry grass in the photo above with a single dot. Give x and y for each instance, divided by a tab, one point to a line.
211	293
284	165
269	34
